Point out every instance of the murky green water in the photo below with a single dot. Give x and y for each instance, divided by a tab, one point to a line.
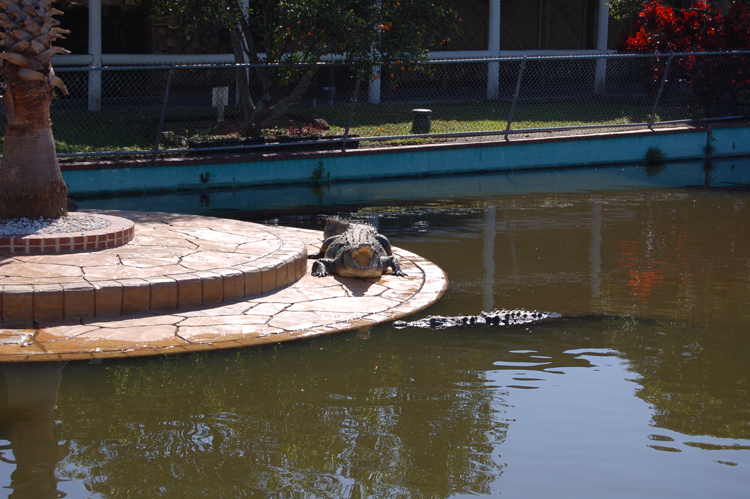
649	400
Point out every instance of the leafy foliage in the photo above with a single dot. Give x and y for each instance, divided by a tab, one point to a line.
288	38
297	31
662	29
714	80
620	9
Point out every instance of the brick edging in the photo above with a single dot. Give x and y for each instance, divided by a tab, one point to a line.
119	232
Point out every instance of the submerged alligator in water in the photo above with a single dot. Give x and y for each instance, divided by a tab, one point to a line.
507	318
497	317
354	250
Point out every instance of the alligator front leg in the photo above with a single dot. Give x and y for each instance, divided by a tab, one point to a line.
323	249
322	267
392	262
385	243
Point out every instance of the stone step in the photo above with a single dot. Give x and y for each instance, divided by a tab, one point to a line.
174	261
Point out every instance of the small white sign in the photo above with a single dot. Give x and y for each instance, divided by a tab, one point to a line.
220	96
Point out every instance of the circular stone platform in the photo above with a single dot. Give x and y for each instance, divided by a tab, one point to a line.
118	232
308	307
174	261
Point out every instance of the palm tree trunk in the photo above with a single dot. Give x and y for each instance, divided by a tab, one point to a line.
31	184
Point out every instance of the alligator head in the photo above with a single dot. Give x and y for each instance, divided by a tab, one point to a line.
354	250
360	261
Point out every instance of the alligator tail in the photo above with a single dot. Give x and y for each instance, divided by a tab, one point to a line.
500	318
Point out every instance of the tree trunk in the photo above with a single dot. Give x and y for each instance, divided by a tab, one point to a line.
258	115
265	112
246	100
31	184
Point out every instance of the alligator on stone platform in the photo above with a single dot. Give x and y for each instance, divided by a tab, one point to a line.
497	317
354	250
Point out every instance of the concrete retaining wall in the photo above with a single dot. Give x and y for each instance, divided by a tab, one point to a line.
628	147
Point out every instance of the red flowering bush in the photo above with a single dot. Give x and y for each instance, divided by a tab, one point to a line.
715	80
661	29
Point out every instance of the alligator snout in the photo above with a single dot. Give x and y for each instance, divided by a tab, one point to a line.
362	257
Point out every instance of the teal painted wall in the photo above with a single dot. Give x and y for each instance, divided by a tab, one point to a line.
223	202
622	148
731	142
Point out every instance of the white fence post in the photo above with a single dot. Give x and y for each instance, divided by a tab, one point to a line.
493	44
373	94
601	45
95	49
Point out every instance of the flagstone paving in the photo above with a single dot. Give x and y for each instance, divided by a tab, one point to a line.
220	254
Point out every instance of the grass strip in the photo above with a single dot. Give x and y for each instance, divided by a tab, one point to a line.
115	131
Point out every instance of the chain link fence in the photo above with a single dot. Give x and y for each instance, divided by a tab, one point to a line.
179	110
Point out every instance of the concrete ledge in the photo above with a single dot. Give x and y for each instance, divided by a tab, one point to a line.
521	153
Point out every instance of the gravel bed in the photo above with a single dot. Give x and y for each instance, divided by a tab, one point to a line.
69	223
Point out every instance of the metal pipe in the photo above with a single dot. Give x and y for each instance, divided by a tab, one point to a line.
64	69
163	113
592	54
435	57
351	114
661	90
515	97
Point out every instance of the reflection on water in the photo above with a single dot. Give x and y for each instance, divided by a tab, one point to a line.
275	419
646	394
27	422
